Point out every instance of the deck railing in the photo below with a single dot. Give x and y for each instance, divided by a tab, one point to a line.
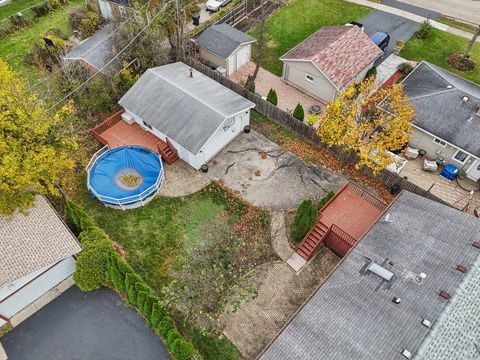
342	234
372	199
106	124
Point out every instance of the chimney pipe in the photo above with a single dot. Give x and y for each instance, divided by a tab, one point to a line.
191	72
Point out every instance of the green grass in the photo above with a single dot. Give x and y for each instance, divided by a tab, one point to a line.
14	47
213	348
16	6
437	47
294	22
457	24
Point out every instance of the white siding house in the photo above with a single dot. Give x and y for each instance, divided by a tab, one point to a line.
197	115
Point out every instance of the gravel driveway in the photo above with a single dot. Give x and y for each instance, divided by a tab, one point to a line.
266	175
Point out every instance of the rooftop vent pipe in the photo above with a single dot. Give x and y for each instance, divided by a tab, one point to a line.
465	99
191	72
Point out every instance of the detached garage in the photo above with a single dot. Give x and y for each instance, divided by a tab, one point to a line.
37	255
193	113
225	47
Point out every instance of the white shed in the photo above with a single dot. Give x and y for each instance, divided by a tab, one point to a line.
197	115
225	46
36	255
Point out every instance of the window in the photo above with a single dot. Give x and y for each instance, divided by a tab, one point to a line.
440	142
123	12
147	125
460	156
309	77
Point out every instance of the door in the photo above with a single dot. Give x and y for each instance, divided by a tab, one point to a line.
473	171
105	9
243	56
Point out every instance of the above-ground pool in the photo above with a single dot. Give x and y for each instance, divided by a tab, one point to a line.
125	177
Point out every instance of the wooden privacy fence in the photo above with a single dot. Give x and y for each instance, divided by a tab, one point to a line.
234	15
386	177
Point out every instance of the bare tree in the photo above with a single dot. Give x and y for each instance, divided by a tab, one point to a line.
471	42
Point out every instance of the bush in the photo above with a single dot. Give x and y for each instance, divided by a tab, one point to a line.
116	277
157	314
77	218
172	335
272	97
371	72
148	305
92	270
141	298
457	61
182	350
298	112
41	9
164	327
305	219
425	30
405	68
83	20
325	199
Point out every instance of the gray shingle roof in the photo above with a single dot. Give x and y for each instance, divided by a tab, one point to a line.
437	97
33	241
222	39
186	109
352	316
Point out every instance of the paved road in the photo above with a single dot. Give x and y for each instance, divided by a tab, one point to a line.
420	11
462	9
84	326
398	27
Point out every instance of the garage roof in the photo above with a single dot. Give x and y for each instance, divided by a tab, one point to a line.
223	40
33	241
340	52
186	109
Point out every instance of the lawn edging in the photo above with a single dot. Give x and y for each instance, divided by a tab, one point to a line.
98	264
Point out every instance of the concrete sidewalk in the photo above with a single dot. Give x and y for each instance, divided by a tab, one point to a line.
413	17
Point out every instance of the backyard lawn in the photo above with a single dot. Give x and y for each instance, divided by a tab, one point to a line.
14	47
294	22
16	6
436	48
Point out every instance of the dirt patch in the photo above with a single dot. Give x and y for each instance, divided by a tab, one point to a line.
257	15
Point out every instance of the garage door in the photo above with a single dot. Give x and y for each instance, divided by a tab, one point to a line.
243	56
19	294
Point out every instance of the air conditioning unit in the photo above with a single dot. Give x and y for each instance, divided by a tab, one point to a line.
222	70
128	118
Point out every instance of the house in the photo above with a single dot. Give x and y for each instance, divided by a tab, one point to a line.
111	9
408	290
190	112
447	123
329	60
96	52
37	252
225	47
343	220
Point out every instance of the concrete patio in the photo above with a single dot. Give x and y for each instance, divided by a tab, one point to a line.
449	191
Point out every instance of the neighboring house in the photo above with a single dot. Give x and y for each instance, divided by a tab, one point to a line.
343	220
409	288
447	116
96	52
36	255
225	47
329	60
191	112
118	9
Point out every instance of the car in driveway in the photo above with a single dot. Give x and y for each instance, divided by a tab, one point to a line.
215	5
381	39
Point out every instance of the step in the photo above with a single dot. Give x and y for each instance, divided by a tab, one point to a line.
322	226
303	254
317	235
307	246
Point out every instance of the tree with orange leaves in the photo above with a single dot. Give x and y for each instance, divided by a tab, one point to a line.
370	125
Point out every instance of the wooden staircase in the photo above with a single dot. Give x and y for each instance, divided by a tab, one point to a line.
168	152
312	240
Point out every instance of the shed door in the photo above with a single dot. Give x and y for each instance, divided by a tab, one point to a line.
243	56
474	171
105	9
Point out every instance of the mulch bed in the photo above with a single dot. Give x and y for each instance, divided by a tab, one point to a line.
457	62
249	22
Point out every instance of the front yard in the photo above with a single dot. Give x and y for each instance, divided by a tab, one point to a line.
436	49
294	22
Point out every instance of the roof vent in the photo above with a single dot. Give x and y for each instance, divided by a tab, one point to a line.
478	112
449	86
420	277
396	300
445	294
407	354
470	119
380	271
388	218
191	72
476	244
462	268
427	323
465	99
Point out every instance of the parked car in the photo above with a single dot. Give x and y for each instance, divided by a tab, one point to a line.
381	39
355	23
215	5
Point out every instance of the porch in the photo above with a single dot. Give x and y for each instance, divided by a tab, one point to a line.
343	220
115	132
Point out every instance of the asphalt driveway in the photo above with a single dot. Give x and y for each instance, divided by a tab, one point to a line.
84	326
398	27
266	175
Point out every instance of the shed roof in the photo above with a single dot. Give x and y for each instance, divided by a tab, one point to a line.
352	316
437	96
223	40
33	241
340	52
186	109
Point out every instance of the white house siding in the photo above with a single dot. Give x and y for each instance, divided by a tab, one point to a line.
321	88
29	288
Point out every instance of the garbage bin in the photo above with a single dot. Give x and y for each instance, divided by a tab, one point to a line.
449	172
196	19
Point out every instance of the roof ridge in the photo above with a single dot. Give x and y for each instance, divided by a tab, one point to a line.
433	93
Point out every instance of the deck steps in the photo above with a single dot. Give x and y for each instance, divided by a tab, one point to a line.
312	240
168	153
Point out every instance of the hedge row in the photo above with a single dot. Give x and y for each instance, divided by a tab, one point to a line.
99	265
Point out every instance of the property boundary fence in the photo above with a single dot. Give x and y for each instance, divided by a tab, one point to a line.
234	15
285	119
